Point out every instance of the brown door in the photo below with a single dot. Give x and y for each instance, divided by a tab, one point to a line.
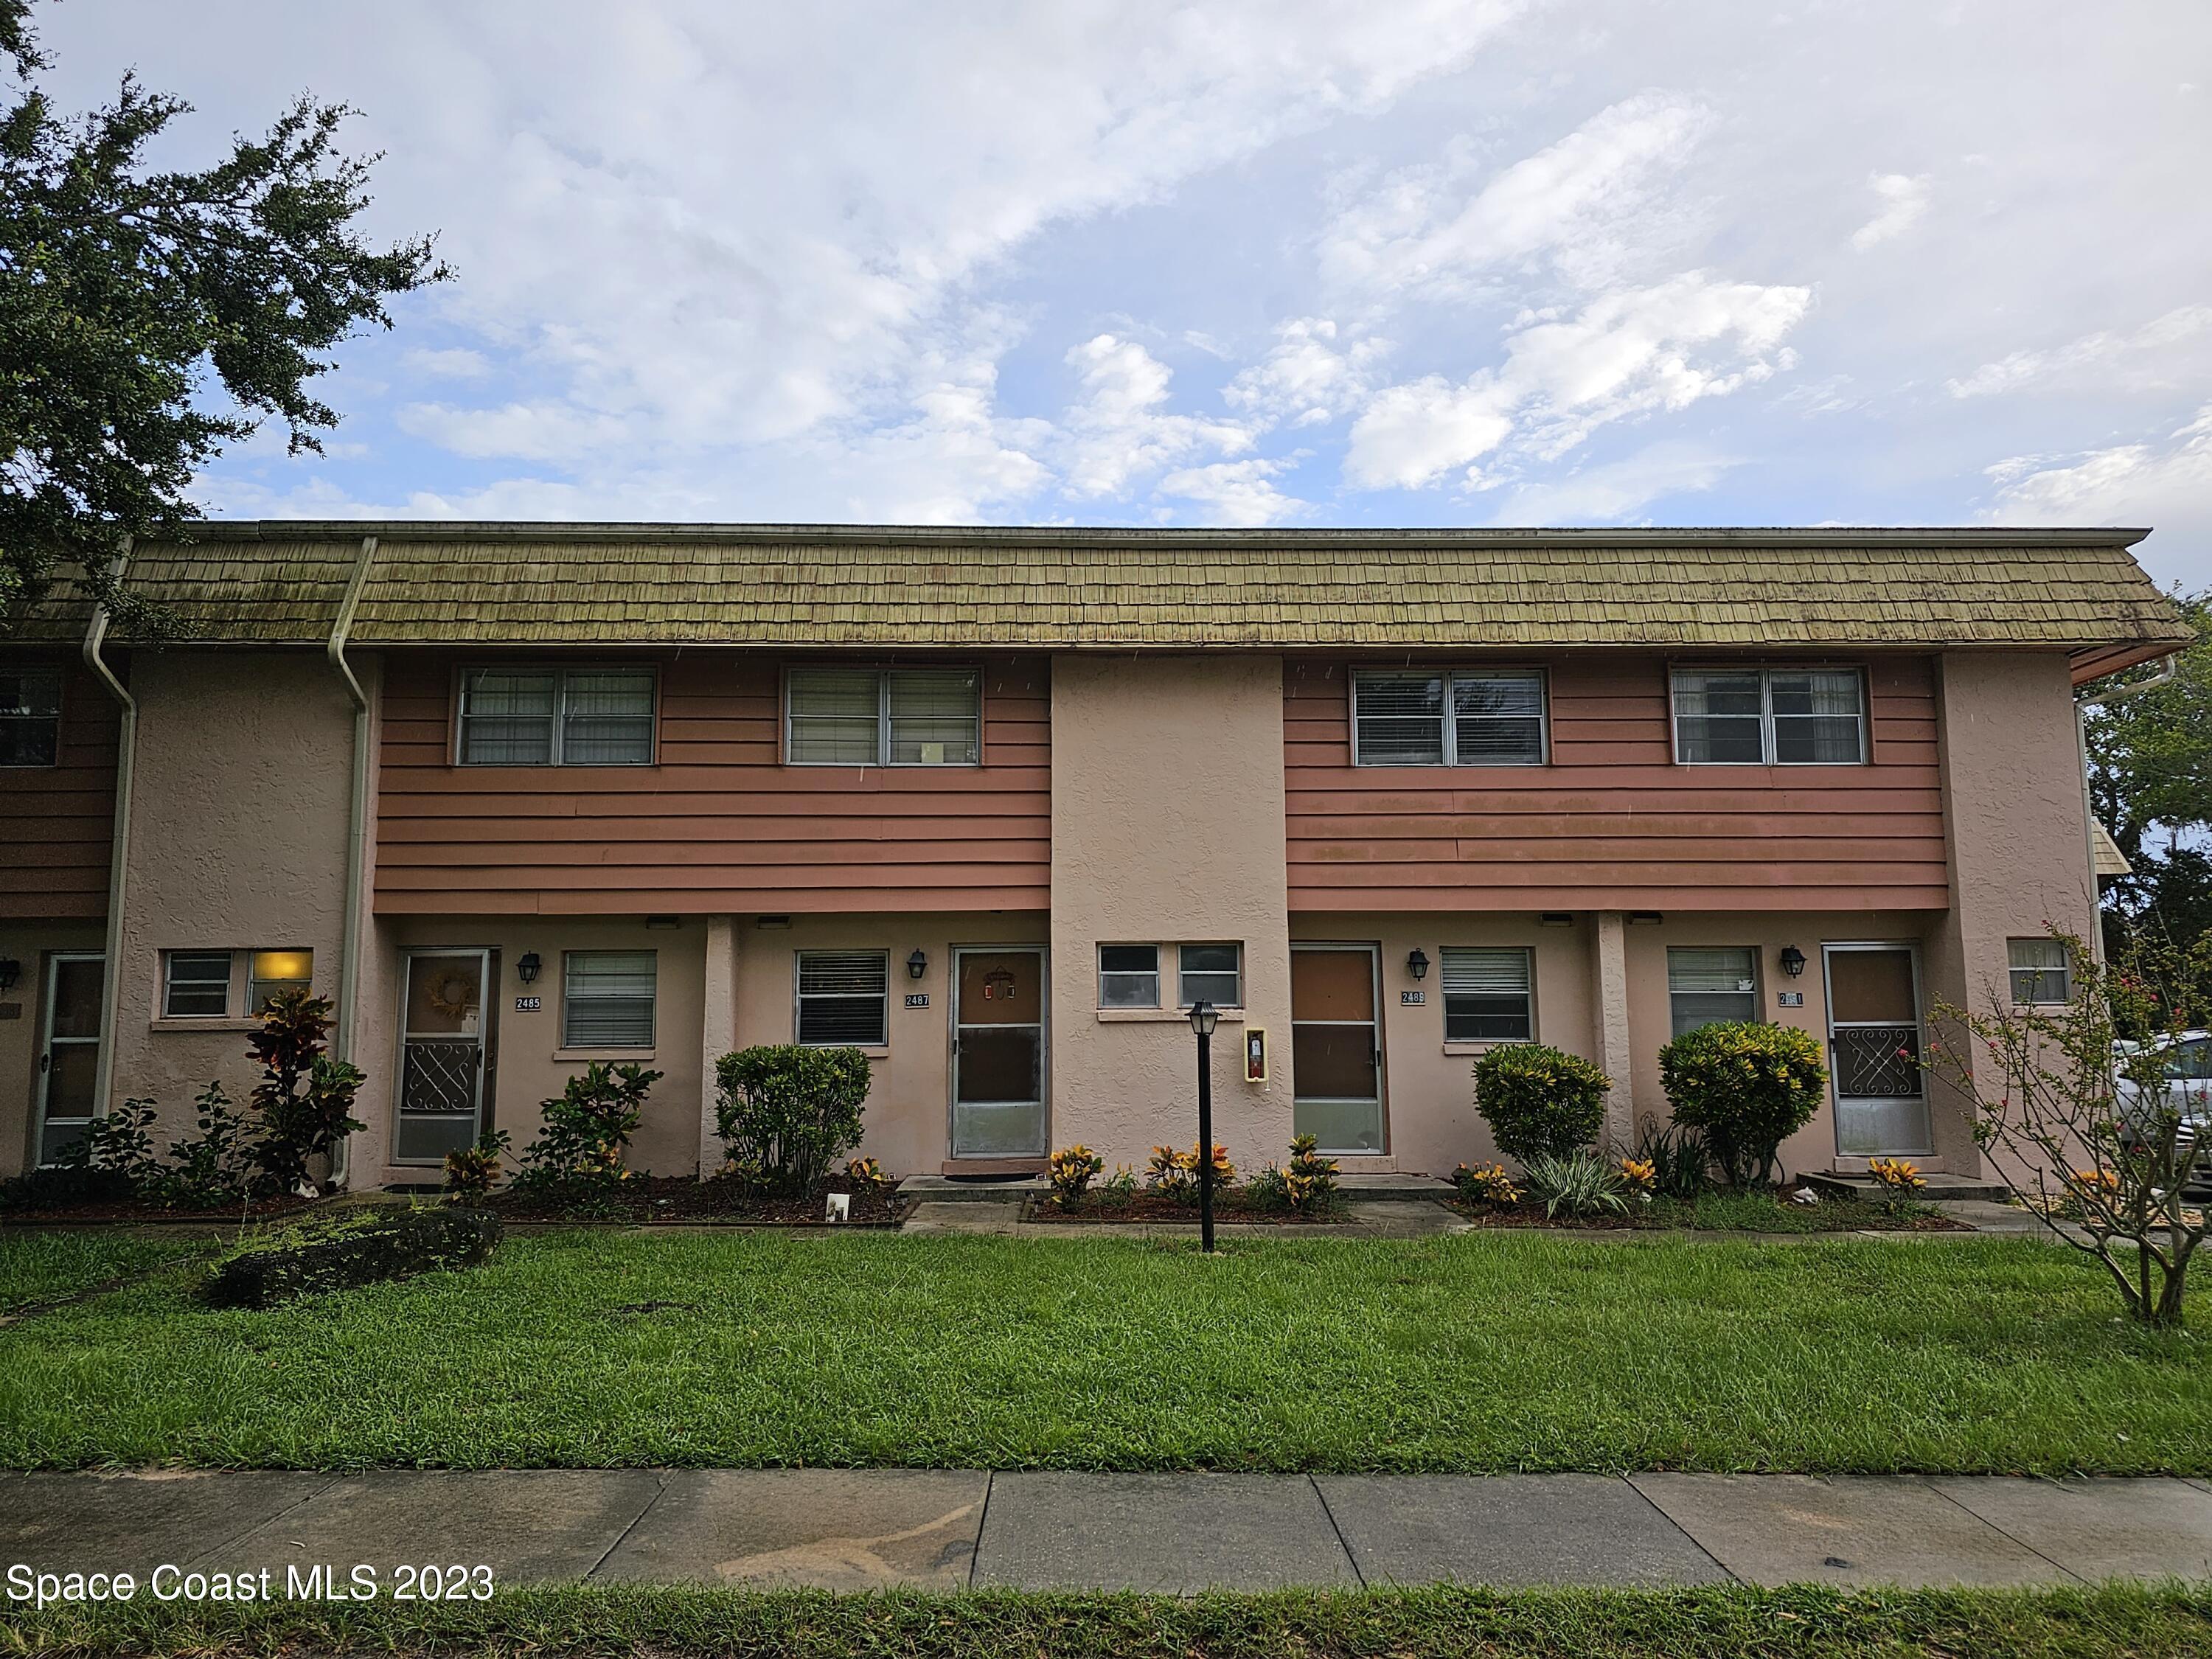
1336	1047
998	1053
69	1059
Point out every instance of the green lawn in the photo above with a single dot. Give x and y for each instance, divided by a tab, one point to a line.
2109	1623
37	1267
1481	1351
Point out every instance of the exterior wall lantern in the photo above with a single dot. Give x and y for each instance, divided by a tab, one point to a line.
1793	961
1204	1016
527	966
1417	965
10	971
917	964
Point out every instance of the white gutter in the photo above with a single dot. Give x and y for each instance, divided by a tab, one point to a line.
119	857
348	1000
2169	665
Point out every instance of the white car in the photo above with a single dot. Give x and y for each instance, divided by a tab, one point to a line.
2184	1076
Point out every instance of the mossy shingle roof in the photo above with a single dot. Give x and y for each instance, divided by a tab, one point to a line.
794	586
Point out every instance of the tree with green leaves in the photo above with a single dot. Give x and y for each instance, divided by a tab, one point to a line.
121	288
2150	784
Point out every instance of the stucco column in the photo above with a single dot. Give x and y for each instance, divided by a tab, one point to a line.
1609	1014
718	1026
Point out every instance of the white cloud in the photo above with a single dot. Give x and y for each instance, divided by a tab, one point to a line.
2169	351
1625	355
1306	378
2166	483
1120	429
1236	493
530	432
1616	491
1903	200
455	363
1570	201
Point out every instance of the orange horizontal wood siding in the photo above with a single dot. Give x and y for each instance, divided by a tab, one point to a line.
1612	820
58	823
718	823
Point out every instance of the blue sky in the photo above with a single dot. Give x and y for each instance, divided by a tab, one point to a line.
1298	264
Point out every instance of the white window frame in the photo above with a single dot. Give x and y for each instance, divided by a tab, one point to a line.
1153	974
568	1001
28	675
560	674
2063	970
1541	676
882	677
1765	673
1527	955
800	998
169	982
239	1001
1758	962
1182	1001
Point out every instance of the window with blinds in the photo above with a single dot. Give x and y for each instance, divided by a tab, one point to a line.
1770	717
2040	971
30	719
1706	985
1489	994
607	998
844	999
888	717
556	717
1463	717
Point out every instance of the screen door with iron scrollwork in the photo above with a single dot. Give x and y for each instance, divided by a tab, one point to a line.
1874	1049
442	1066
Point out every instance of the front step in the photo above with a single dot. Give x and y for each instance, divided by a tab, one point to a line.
971	1189
1831	1183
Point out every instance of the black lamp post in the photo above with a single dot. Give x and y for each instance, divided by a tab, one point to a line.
1204	1016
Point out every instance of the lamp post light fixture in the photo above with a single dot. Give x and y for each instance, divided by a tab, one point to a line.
1417	965
527	966
1793	961
917	964
1204	1016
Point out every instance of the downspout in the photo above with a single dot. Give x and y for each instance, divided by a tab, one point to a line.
342	1045
2169	665
119	857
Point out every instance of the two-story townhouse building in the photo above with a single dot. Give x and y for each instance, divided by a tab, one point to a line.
996	805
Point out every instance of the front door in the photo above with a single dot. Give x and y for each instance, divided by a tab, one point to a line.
998	1053
441	1062
1336	1046
68	1056
1874	1050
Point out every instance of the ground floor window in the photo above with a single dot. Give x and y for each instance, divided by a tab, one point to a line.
1211	972
1128	976
1489	994
607	999
2040	972
1707	984
844	999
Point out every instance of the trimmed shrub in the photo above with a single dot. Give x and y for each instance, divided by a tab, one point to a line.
1540	1102
1746	1087
787	1113
342	1252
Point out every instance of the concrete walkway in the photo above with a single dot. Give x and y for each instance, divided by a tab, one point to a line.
954	1529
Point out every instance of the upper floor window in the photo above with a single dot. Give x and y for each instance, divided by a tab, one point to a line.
556	717
607	998
1489	994
1458	717
30	718
1770	717
884	717
2040	971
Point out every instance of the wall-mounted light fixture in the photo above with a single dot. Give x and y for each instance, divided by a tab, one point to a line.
10	971
1646	918
527	966
1417	964
1556	919
917	964
1793	961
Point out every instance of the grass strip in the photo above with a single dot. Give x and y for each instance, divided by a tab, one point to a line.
37	1267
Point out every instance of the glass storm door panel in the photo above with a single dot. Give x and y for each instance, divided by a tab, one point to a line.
69	1061
998	1053
1336	1047
441	1065
1874	1050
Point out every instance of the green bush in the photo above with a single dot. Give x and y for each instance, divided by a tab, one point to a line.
1578	1182
304	1101
1540	1102
1307	1183
1747	1086
787	1113
587	1129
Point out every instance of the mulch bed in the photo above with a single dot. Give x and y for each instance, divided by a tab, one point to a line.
109	1213
681	1200
1861	1218
1229	1207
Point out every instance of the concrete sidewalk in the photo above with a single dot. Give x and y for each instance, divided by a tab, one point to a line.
954	1529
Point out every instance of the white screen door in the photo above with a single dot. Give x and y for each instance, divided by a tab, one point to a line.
1874	1050
998	1053
68	1056
441	1065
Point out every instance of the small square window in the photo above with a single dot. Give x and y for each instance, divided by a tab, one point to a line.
197	985
2040	971
844	999
1128	976
272	971
1708	985
1211	972
1489	995
607	998
30	719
